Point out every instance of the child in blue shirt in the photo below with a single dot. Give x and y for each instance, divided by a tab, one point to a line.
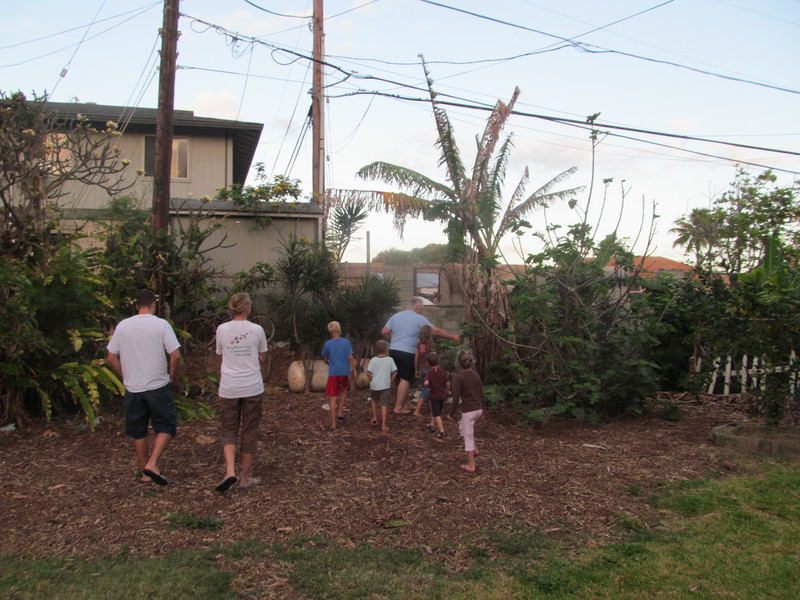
337	353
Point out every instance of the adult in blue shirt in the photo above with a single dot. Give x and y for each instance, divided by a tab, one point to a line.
402	330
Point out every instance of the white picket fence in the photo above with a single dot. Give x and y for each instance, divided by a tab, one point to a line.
744	374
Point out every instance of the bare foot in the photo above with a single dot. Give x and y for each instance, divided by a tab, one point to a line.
250	482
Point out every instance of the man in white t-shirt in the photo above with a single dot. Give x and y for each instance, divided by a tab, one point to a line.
138	353
402	329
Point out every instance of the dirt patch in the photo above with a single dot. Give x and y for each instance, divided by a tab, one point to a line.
69	491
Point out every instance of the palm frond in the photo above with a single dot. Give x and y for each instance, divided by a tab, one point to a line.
517	209
508	214
450	154
491	135
407	180
489	199
401	206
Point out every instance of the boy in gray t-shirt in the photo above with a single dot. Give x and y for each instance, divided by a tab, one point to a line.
382	372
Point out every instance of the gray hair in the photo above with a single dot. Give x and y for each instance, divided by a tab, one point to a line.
416	301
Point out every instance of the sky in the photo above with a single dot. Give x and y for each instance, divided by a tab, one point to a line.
722	70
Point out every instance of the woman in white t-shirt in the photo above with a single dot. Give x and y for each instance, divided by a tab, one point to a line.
243	347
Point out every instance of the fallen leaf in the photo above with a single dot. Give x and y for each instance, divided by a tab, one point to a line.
204	440
392	523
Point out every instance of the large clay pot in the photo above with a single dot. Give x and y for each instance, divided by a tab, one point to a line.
319	377
297	376
362	380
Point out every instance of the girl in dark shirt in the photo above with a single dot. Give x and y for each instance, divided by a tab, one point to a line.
468	392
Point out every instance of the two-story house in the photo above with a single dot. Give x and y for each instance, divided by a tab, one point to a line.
207	155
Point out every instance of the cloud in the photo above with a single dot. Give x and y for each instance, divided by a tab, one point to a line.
219	104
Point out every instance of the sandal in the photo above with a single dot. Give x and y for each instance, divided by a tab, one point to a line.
466	469
374	422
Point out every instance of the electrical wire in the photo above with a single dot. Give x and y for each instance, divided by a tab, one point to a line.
298	144
593	49
240	74
487	107
277	14
71	29
77	47
596	126
246	80
17	64
755	12
142	84
344	12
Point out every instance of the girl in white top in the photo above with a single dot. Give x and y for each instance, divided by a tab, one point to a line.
243	347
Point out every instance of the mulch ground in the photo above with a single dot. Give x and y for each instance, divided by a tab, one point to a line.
71	492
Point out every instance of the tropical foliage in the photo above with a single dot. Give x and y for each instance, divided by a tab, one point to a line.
580	350
470	205
744	298
733	235
51	303
176	262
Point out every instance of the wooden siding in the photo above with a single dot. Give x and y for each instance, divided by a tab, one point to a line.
245	246
210	168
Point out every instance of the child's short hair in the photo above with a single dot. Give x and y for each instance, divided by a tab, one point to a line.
465	360
334	326
381	347
433	359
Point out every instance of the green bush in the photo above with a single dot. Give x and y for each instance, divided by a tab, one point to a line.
49	347
580	352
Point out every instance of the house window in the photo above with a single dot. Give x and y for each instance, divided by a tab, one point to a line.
180	157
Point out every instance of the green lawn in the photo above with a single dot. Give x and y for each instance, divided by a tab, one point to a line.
735	537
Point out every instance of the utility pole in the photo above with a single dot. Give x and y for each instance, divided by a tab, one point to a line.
166	104
317	107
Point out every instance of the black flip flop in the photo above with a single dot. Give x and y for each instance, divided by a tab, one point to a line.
226	483
157	477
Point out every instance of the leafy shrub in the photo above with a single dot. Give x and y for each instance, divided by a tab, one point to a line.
52	311
580	351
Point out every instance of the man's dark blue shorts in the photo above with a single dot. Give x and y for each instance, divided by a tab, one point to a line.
404	361
154	406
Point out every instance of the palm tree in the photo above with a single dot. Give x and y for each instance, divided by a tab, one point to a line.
471	208
344	221
700	232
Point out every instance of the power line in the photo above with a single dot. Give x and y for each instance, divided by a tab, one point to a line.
584	125
592	49
22	62
277	14
71	29
465	103
225	72
77	47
